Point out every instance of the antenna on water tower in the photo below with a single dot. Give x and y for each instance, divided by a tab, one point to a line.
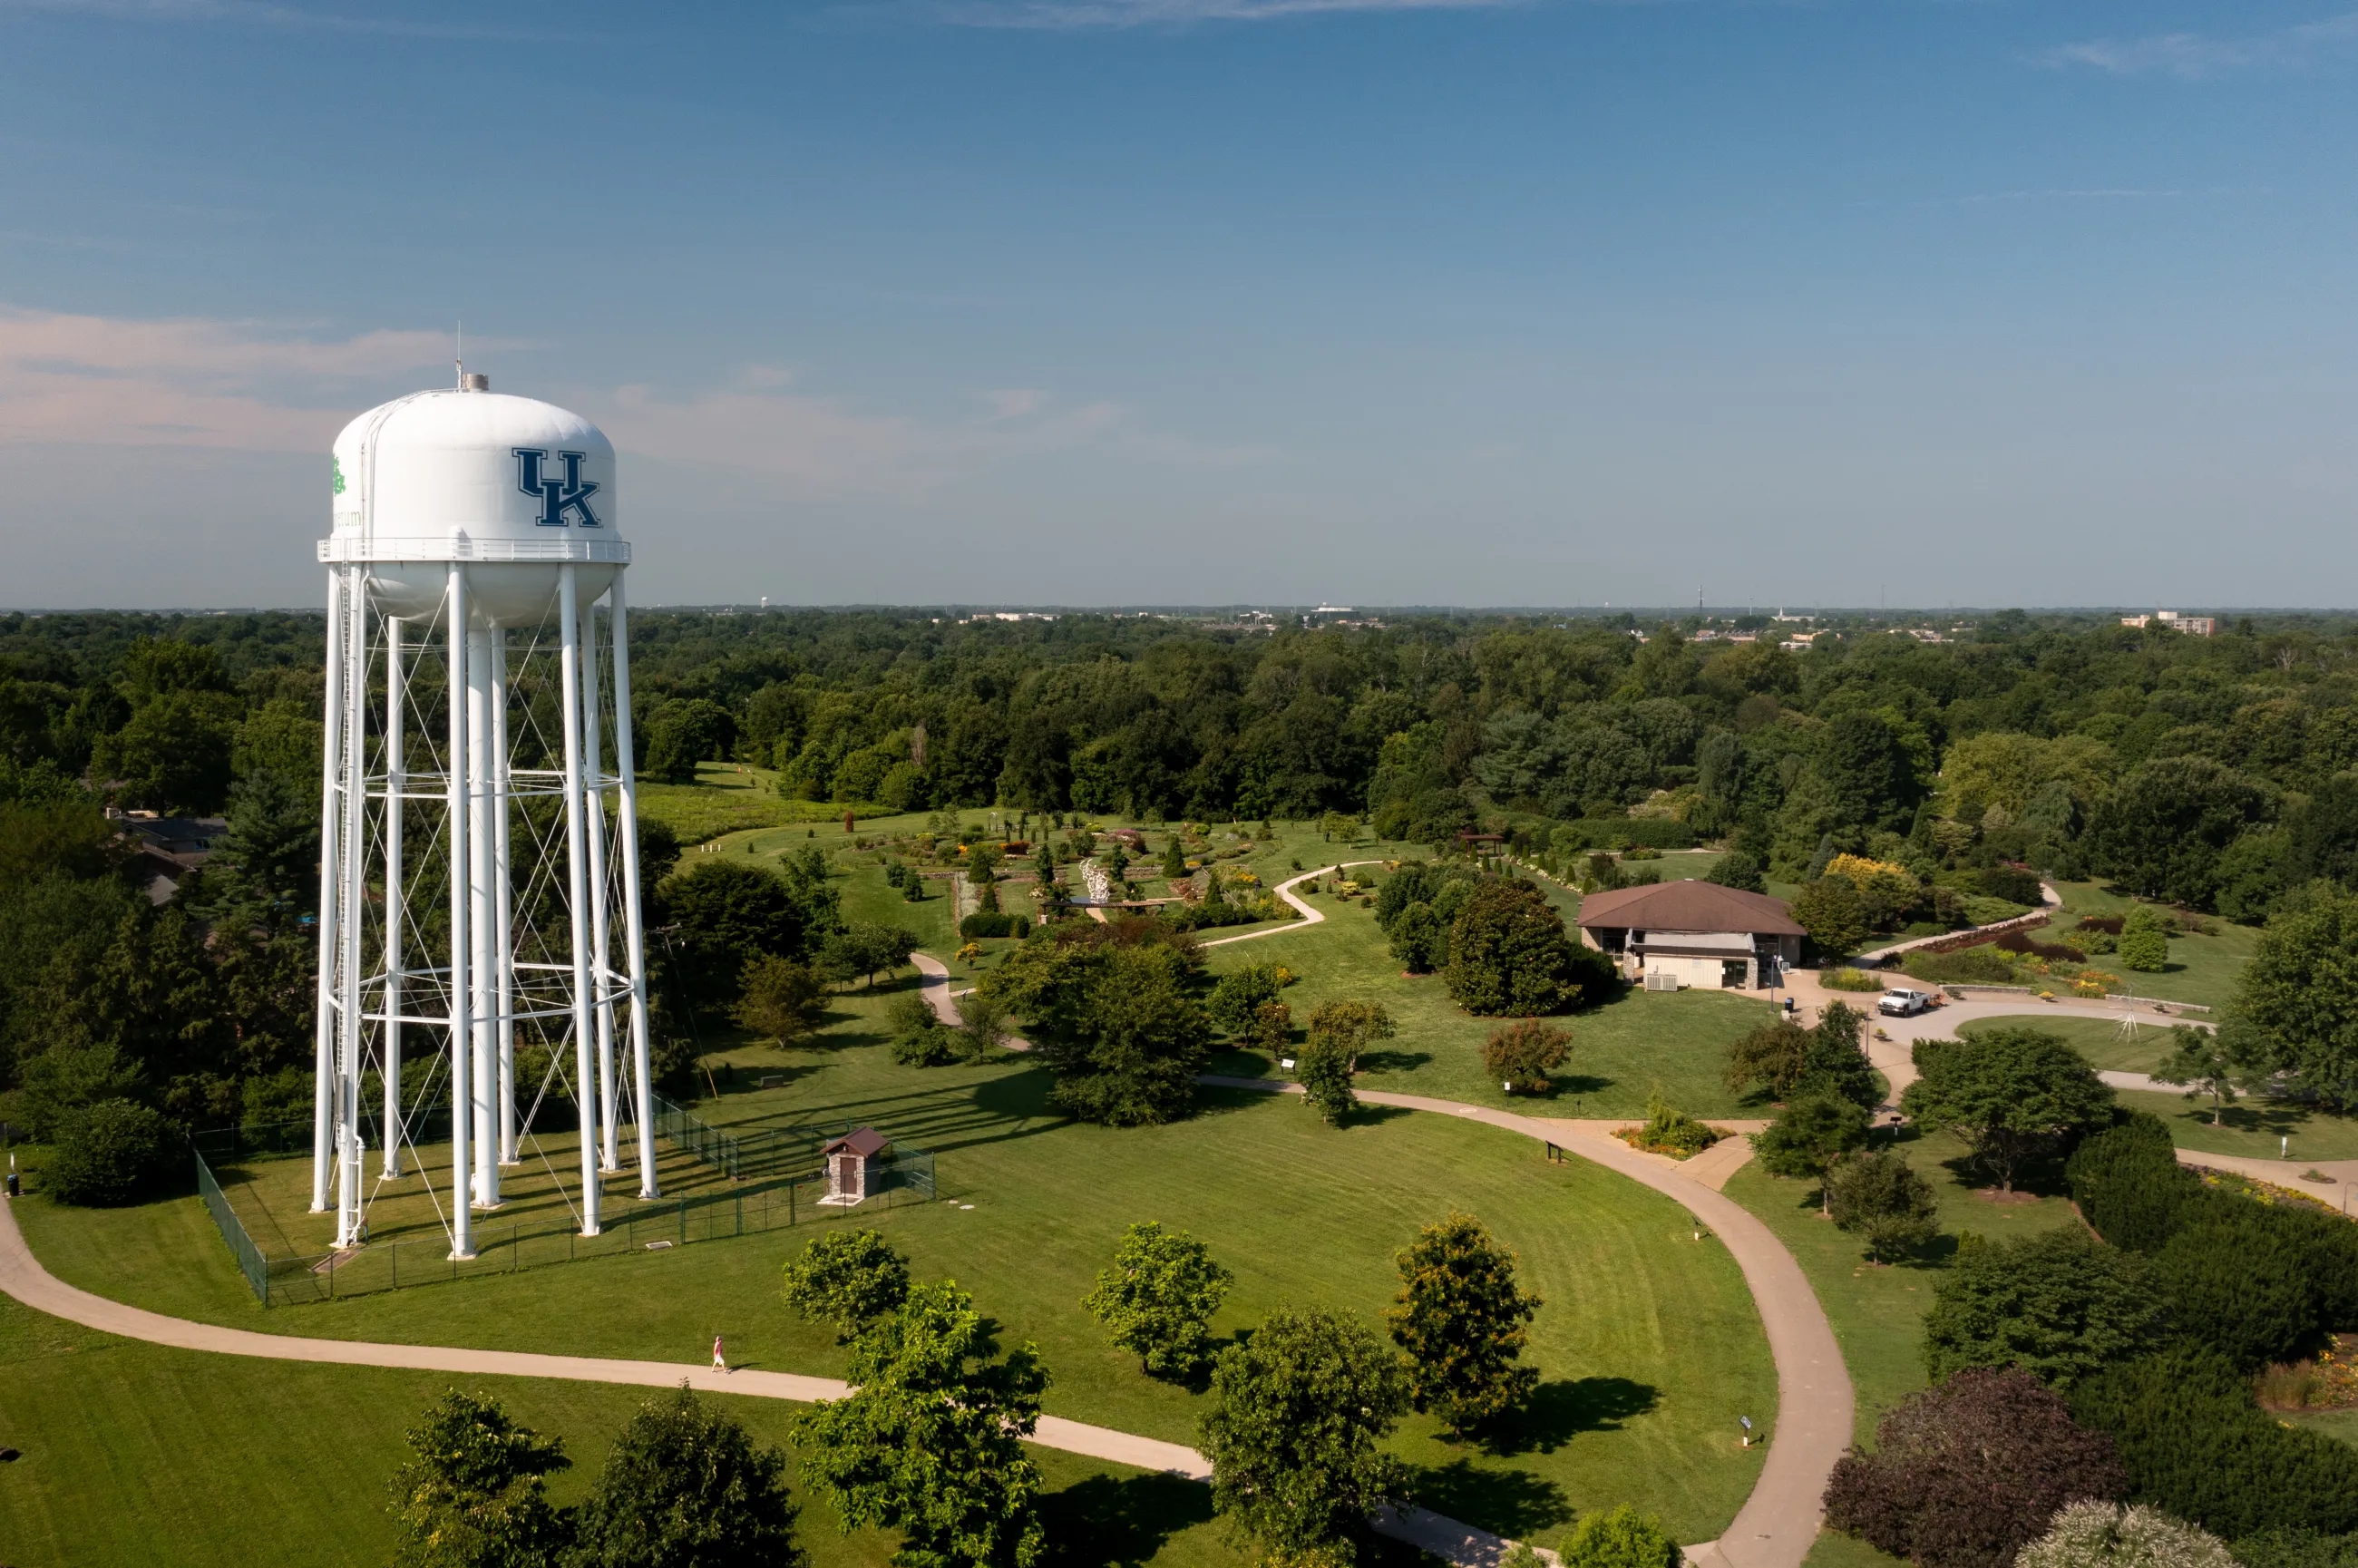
459	358
460	518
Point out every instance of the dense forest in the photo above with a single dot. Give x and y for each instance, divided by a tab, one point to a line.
2219	773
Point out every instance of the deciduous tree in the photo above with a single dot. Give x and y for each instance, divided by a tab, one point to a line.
1460	1320
1808	1136
2008	1092
849	1278
1159	1297
684	1486
473	1494
1523	1054
1878	1196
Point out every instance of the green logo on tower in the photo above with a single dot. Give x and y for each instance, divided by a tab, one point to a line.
336	473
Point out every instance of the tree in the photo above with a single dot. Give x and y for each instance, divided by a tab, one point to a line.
1836	1058
1523	1054
686	1488
1830	910
930	1442
849	1278
115	1152
1240	993
1325	1073
2300	992
1351	1027
1509	958
1964	1475
1621	1537
2058	1306
1420	939
272	848
1738	870
919	1038
685	733
2145	941
780	1001
1174	859
1159	1297
2163	829
728	913
1809	1137
2209	1062
2100	1535
2243	1285
1111	1014
172	754
1299	1410
1771	1058
473	1494
1336	825
2008	1092
982	1025
1879	1196
1459	1319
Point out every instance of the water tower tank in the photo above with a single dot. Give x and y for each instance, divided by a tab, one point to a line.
512	485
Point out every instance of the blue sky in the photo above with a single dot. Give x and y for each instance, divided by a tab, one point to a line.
1092	301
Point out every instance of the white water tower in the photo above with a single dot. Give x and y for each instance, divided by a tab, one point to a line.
475	890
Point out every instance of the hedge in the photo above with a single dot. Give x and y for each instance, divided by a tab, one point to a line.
2195	1444
985	923
1629	832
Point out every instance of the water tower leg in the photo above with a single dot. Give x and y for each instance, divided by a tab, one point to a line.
462	1220
352	917
635	936
397	782
577	880
601	945
503	891
482	925
323	1026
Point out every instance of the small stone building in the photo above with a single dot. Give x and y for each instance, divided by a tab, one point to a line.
855	1166
1671	935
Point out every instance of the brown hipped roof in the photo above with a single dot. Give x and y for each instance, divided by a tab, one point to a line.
1687	906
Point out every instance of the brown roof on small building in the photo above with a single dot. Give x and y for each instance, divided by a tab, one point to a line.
1687	906
864	1142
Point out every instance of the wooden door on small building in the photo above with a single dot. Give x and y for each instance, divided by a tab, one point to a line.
849	1177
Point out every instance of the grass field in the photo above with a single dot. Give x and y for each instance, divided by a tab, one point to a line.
137	1455
1620	1050
2097	1038
2201	969
1648	1344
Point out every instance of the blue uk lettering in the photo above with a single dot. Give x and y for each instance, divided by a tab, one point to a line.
557	497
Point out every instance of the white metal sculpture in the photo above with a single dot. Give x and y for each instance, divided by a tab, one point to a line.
478	847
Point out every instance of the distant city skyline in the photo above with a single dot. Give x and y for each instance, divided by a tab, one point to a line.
1211	302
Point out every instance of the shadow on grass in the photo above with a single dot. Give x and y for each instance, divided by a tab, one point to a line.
1512	1503
1105	1522
1365	1115
1562	1408
1393	1061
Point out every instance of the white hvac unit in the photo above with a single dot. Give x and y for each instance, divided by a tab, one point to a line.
478	732
1660	981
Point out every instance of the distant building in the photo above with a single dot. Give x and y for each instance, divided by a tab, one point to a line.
168	848
1671	935
2192	626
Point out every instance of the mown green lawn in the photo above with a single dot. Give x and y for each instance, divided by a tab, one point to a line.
137	1456
2260	1128
1648	1343
2098	1039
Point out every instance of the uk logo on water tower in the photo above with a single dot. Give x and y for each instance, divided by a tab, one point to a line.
557	496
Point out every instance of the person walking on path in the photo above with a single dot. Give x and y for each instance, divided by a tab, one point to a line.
720	1363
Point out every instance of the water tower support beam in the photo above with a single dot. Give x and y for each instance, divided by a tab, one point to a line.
323	1031
635	936
483	925
577	881
503	888
396	781
462	1221
350	918
601	945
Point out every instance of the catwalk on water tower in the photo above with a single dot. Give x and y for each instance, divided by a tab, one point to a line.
479	848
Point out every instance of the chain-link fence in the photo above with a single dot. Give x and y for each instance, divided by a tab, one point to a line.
905	1176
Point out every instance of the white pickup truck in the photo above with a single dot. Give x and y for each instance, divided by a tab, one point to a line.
1897	1004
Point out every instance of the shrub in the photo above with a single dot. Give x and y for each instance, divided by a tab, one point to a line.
1668	1130
1523	1054
1809	1137
2145	941
1843	978
1880	1198
2023	942
116	1152
2240	1283
2093	1535
2297	1549
1621	1538
2128	1183
2058	1306
988	922
2011	883
2193	1443
1968	966
1966	1474
919	1039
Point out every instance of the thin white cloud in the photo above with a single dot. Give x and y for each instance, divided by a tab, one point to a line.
2195	56
104	381
1065	15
